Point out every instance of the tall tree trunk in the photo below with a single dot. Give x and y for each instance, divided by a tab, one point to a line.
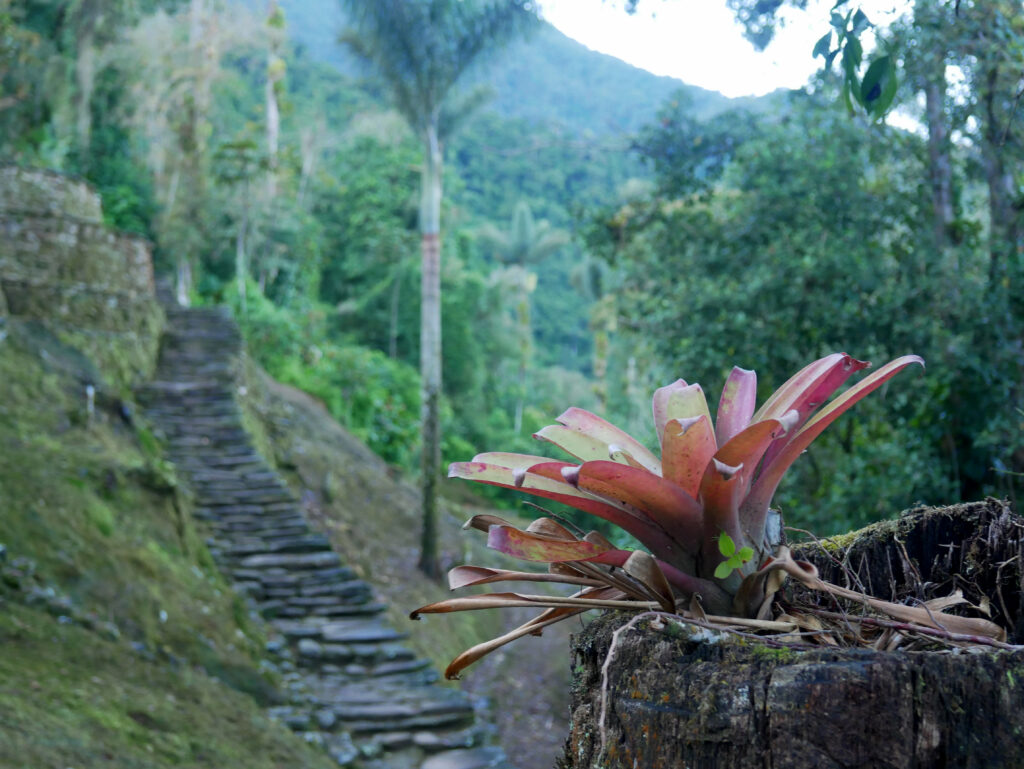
523	312
273	128
275	73
308	150
430	345
1004	230
240	268
940	167
85	75
396	299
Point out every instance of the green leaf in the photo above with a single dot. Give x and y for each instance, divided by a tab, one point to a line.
822	47
725	545
846	96
860	22
884	101
875	80
853	53
745	554
723	570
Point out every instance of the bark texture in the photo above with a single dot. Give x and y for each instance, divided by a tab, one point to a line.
671	702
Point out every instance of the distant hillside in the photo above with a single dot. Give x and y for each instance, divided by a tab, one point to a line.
547	79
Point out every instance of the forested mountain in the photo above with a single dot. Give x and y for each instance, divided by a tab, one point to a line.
548	79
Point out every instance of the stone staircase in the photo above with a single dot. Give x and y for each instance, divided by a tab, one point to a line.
355	688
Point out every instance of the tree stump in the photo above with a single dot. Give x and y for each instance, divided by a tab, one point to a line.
672	702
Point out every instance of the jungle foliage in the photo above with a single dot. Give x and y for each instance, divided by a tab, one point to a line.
761	237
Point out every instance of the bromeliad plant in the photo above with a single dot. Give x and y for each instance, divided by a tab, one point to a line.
701	510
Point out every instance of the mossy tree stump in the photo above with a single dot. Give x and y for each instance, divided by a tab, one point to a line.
671	702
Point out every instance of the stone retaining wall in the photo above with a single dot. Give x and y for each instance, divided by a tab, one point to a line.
59	264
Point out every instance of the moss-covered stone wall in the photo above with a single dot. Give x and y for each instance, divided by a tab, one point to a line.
59	264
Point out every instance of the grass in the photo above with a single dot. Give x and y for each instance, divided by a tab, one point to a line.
70	699
89	509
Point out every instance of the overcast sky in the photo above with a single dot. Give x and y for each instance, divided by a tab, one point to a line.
699	42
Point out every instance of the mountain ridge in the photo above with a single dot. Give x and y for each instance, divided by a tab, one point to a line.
547	78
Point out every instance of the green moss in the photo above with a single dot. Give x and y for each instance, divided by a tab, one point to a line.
775	654
68	698
101	516
90	502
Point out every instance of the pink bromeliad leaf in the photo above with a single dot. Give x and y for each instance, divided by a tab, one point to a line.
592	425
755	507
528	546
548	482
573	442
671	507
806	391
736	405
677	401
687	446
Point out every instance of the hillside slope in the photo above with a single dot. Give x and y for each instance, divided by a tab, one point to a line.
123	647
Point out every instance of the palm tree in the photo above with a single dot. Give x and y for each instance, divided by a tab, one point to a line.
421	49
525	242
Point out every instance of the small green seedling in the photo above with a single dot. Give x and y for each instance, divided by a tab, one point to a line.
734	559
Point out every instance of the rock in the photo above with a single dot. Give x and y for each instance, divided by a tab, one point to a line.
473	758
326	719
341	748
309	648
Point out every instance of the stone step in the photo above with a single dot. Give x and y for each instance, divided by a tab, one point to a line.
344	664
246	546
359	631
268	495
282	578
293	561
471	758
404	723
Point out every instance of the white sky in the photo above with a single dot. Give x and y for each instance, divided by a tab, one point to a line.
699	41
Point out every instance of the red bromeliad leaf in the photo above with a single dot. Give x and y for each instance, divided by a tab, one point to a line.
467	576
686	448
727	480
678	401
747	448
809	392
721	492
528	546
675	511
592	425
550	485
755	507
801	382
736	405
